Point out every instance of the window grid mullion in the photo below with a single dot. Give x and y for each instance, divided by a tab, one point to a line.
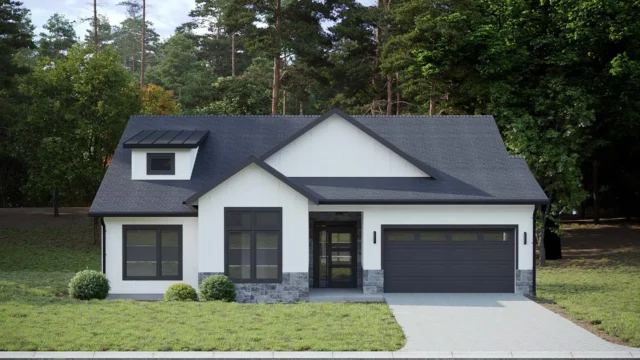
253	246
158	253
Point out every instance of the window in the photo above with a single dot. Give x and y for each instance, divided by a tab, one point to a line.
253	244
152	252
161	164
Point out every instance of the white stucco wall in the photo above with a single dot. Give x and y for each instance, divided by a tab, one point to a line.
253	187
185	159
337	148
374	216
114	254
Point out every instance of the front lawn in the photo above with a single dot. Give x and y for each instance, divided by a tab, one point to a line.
39	254
598	280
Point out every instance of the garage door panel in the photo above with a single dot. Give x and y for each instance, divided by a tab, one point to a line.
451	253
449	285
474	270
449	260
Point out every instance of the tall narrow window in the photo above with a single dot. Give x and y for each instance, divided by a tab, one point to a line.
253	244
161	164
152	252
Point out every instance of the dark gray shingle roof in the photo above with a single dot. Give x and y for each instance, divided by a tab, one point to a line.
466	156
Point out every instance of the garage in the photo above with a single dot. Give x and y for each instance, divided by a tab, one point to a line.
464	259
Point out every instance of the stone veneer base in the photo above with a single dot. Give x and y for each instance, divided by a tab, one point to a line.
372	281
293	288
524	282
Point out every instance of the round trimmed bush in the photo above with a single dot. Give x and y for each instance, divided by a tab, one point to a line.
89	284
217	287
180	292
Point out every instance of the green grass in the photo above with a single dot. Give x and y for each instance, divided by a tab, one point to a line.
37	261
601	288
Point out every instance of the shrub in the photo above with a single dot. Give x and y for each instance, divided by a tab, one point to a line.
89	284
180	292
217	287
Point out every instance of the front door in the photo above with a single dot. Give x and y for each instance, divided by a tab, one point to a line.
335	255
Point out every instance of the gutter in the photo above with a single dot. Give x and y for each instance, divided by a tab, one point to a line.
104	246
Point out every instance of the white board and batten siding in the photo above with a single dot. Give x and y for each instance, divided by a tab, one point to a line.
336	148
185	160
374	216
114	255
253	187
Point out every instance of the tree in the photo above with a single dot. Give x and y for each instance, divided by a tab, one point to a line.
77	111
127	38
104	32
180	71
58	39
16	39
246	94
157	101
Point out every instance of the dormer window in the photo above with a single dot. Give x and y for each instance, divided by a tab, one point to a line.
164	154
161	163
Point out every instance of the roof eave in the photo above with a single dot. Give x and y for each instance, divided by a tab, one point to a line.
433	202
141	214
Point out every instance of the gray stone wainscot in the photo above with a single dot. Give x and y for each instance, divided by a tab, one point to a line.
372	281
293	288
524	282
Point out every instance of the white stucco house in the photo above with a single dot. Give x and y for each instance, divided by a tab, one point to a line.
283	204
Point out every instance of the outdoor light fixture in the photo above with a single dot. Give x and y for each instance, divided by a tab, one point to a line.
374	237
525	238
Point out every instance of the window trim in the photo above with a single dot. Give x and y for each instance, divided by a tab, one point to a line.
153	156
157	228
253	230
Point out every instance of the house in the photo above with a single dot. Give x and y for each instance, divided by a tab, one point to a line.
282	204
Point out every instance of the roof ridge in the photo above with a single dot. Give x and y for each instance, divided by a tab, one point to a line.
307	115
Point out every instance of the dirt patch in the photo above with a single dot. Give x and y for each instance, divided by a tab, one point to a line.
23	218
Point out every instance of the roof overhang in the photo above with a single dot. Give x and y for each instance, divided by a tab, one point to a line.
266	167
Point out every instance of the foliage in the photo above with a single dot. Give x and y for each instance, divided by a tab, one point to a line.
180	71
59	38
217	288
180	292
78	107
127	39
89	284
157	101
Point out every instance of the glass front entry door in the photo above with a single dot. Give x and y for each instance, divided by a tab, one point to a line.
334	255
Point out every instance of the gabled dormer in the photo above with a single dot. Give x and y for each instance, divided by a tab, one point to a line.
164	154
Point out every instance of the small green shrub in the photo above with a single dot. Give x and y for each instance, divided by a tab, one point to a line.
181	292
217	287
89	284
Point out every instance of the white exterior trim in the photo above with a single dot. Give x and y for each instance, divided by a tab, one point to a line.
114	255
337	148
185	160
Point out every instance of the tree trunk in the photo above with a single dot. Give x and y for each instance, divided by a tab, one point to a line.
233	54
56	211
284	91
95	23
389	94
596	198
144	28
301	104
376	75
542	261
432	105
397	93
276	65
97	234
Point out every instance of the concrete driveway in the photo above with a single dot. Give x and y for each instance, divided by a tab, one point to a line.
488	322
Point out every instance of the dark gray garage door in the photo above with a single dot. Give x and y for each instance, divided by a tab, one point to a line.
461	260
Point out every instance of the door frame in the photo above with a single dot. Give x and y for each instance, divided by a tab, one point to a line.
343	225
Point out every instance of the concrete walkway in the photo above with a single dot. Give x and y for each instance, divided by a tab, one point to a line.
489	322
319	355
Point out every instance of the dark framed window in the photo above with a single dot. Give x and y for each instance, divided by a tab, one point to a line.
161	163
253	244
152	252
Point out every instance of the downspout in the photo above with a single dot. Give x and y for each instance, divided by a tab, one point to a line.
533	243
104	246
